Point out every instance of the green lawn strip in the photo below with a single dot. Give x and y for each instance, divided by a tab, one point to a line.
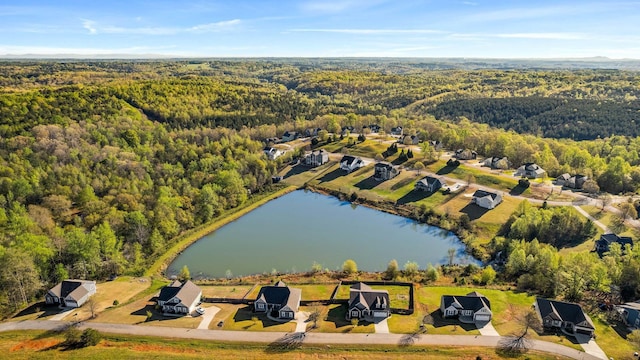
335	321
40	345
224	291
245	319
315	292
186	239
610	341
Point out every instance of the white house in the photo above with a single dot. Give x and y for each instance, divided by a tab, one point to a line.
71	293
530	170
273	153
485	199
472	308
349	163
179	298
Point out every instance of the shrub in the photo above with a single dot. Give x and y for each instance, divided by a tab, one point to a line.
350	267
116	302
90	337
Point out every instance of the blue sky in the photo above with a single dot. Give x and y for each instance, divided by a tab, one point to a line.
317	28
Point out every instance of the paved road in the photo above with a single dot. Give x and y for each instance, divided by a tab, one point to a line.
316	338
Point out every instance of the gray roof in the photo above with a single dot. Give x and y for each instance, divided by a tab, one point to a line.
72	288
281	294
564	311
187	292
608	239
361	293
384	164
430	180
482	193
472	301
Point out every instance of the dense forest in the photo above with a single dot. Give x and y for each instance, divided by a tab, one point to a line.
102	164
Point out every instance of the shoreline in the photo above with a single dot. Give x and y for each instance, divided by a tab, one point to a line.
191	236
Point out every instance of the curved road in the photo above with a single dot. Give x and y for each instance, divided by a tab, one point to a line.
315	338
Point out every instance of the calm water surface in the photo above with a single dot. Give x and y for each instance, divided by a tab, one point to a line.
292	232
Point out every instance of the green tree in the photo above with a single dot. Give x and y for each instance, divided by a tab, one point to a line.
184	274
411	268
488	275
392	270
431	273
349	267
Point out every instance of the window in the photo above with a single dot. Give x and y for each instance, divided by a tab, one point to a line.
260	306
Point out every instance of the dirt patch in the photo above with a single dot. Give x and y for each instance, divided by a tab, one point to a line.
148	348
35	345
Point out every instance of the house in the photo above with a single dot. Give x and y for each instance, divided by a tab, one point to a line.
272	153
472	308
396	131
602	244
316	158
368	304
349	163
501	163
312	132
465	154
436	144
430	184
409	140
562	179
630	313
290	136
374	128
279	299
347	129
385	171
179	298
70	293
576	181
564	316
485	199
530	170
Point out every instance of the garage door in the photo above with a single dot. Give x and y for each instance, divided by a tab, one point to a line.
483	318
379	314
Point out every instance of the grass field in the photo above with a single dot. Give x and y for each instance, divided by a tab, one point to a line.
39	345
224	291
245	319
335	321
133	311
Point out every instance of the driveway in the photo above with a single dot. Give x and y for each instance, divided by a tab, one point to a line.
382	327
208	316
301	322
487	329
61	315
590	347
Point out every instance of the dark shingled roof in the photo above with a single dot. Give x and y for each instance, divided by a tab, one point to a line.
67	287
472	301
281	294
384	164
369	298
613	238
482	193
563	311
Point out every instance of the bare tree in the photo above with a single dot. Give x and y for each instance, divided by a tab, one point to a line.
519	342
93	307
606	200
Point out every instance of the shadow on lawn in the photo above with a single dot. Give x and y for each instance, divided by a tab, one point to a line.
367	184
246	314
287	343
333	175
295	170
413	196
47	310
473	211
338	315
439	321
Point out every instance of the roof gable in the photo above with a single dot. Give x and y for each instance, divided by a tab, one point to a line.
564	311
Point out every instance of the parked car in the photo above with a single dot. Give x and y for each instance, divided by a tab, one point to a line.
200	310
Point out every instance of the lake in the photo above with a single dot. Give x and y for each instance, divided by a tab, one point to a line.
292	232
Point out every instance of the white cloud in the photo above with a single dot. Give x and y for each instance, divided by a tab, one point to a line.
89	25
336	6
533	36
219	26
470	3
370	31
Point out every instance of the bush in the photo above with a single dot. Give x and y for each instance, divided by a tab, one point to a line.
116	302
350	267
525	183
72	336
90	337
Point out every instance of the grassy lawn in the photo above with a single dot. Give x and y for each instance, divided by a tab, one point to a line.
336	322
605	218
610	341
226	310
316	292
41	345
223	291
398	295
242	320
482	176
461	203
133	311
